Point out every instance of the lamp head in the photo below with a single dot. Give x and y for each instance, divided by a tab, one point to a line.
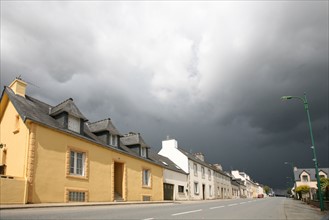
283	98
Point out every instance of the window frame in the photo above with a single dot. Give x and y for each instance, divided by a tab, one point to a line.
84	166
305	178
196	188
180	189
113	140
146	179
143	151
203	172
195	168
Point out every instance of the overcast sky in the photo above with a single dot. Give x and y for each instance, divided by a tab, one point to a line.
209	74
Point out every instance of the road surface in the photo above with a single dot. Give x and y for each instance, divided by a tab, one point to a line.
267	208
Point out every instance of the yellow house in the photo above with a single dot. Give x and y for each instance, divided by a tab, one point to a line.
52	154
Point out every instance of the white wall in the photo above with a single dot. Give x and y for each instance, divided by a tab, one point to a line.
169	150
176	179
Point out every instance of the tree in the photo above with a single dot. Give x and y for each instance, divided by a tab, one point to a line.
324	182
304	189
267	189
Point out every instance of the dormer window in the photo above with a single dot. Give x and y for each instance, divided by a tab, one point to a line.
304	178
143	152
74	123
114	140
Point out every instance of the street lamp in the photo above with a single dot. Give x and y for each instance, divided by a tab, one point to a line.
304	100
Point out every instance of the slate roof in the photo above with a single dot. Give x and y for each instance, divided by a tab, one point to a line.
310	171
196	159
133	139
103	125
164	162
38	111
69	107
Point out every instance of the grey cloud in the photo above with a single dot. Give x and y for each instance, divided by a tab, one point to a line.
208	74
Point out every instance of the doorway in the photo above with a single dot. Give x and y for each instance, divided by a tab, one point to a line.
118	181
203	191
168	191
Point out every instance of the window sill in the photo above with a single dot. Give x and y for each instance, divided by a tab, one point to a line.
77	177
147	187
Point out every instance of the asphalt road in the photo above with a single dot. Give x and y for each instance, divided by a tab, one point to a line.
268	208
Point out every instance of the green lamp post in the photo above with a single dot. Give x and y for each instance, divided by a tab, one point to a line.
304	100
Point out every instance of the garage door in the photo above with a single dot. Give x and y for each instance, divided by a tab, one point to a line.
168	191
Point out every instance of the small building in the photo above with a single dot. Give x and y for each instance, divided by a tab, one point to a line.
52	154
307	176
200	183
174	179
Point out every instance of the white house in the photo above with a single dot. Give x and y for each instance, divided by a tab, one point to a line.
306	176
246	181
174	178
200	182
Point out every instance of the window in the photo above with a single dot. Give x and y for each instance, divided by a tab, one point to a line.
196	188
143	152
74	124
209	174
203	172
113	140
304	178
16	125
146	178
180	189
195	168
77	163
77	196
210	191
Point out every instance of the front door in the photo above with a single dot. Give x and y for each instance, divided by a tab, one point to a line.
168	191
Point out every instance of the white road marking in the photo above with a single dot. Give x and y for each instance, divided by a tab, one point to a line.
183	213
217	207
148	219
232	204
242	203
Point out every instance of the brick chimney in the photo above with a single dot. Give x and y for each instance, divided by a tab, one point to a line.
18	86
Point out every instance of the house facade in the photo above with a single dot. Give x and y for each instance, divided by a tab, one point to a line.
250	190
51	154
222	183
307	176
201	175
175	180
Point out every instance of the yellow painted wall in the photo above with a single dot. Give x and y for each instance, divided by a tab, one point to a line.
50	180
50	165
12	191
14	134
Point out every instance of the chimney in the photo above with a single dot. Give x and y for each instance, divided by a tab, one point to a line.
218	166
18	86
200	156
169	143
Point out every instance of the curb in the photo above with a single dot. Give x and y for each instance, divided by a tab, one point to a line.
56	205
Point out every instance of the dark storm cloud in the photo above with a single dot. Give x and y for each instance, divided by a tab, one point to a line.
208	74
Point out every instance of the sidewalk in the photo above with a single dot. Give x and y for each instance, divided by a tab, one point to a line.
296	209
48	205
